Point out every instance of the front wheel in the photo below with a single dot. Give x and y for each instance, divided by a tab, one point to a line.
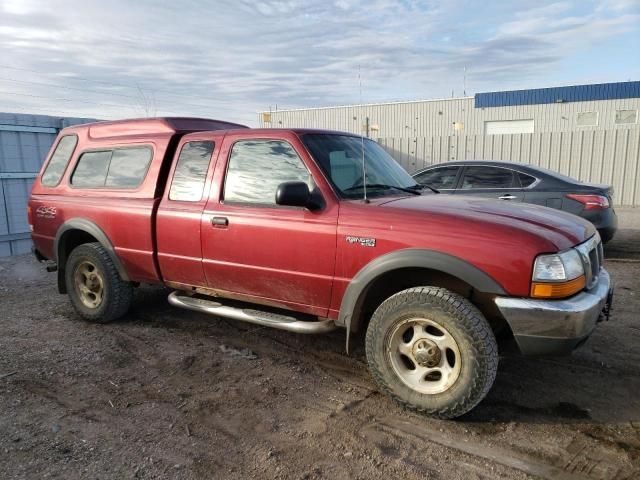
95	288
432	351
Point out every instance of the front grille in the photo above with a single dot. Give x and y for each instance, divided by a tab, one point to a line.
592	257
595	262
600	254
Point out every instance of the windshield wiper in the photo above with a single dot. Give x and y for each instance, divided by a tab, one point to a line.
384	185
421	186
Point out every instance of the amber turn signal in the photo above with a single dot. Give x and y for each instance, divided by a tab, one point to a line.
557	289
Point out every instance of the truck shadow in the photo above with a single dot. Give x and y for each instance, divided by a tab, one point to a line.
576	389
529	390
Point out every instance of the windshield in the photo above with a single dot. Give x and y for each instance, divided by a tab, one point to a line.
340	158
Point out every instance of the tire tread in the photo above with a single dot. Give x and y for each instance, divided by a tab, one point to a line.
120	291
473	322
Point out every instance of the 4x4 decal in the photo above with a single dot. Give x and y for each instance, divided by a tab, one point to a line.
364	241
46	212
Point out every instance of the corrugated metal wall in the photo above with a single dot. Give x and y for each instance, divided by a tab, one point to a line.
438	117
24	143
603	156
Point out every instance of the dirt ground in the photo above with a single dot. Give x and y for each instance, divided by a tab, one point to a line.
166	393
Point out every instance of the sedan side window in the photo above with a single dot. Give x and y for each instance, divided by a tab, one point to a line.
257	167
526	180
439	178
487	177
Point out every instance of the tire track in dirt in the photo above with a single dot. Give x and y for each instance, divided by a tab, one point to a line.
583	460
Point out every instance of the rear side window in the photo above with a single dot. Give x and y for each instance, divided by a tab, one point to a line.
92	169
487	177
117	168
191	171
128	167
59	160
439	178
526	180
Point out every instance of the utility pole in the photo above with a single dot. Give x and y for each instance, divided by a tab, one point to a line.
464	82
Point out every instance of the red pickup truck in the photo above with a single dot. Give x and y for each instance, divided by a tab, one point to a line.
309	230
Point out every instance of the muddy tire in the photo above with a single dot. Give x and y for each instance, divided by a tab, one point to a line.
95	288
432	351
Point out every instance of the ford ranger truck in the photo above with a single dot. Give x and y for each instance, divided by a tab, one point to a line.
307	231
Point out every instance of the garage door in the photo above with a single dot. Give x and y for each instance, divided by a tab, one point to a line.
508	127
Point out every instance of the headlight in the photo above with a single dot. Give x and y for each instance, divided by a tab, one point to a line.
558	275
558	267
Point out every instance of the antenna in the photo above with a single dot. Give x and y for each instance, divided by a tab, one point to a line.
364	164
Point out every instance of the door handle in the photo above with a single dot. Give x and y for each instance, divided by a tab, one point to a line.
219	221
507	197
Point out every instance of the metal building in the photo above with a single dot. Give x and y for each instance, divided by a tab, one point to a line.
24	143
590	132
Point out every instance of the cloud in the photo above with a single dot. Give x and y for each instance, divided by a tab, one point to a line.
230	59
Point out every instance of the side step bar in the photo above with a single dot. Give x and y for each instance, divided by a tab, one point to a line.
258	317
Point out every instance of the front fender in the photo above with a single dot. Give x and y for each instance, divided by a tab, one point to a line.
411	258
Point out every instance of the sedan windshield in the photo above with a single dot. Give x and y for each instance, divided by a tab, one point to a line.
340	158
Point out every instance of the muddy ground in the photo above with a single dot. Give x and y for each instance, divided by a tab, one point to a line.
166	393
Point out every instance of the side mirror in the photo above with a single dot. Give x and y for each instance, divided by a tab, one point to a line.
293	194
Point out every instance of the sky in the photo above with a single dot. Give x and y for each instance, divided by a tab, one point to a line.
232	59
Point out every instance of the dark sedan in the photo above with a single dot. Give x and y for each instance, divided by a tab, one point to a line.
515	182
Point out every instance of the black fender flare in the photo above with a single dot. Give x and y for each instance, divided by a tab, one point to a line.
87	226
411	258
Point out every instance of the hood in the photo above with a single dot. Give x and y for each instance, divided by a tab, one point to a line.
562	229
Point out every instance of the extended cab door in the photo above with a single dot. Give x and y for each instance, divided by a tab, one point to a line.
179	215
256	250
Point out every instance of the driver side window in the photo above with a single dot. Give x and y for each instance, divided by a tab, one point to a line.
257	167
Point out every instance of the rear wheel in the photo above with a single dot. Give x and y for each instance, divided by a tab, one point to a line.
432	350
95	288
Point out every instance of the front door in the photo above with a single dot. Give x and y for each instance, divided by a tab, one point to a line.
255	249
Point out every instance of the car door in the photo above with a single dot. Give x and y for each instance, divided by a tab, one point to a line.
548	190
256	250
443	178
490	182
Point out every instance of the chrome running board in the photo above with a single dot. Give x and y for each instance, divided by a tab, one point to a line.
269	319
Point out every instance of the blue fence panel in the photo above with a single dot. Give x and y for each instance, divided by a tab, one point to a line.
24	143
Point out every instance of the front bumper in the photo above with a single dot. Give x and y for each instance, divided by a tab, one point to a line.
556	327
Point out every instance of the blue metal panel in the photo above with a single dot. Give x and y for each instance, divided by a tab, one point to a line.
24	143
23	128
576	93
